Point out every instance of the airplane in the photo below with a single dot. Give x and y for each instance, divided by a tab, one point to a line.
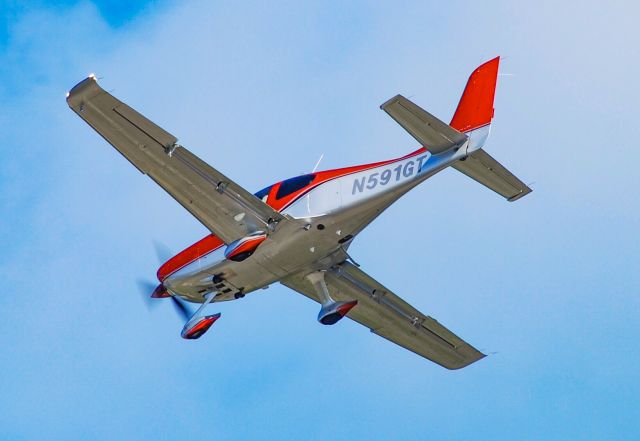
298	231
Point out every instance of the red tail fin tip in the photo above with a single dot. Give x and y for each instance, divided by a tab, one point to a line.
475	108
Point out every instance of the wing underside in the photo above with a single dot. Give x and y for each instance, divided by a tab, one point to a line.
387	315
224	207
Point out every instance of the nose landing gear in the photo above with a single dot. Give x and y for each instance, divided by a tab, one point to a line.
196	326
197	329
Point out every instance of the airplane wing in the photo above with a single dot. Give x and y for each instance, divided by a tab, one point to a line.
387	315
224	207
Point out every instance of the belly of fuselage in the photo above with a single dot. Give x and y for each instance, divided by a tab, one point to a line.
313	242
320	226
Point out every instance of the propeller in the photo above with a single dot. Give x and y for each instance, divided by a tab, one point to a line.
163	253
150	292
181	308
145	288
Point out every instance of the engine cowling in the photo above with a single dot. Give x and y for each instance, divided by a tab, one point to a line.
240	249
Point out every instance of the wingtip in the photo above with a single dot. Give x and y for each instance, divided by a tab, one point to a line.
81	88
391	100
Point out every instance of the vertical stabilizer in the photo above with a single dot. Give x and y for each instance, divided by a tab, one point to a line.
475	109
473	117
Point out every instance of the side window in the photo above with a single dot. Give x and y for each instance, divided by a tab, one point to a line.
263	194
294	184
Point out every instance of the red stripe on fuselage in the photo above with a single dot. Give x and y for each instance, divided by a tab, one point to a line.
324	176
211	242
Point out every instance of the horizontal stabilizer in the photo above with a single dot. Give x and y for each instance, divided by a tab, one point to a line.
433	134
481	167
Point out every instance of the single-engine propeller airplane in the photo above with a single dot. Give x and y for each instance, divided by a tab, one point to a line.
298	231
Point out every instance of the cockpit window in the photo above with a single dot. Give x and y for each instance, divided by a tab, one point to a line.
294	184
263	194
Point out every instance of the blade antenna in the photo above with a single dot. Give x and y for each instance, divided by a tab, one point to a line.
317	163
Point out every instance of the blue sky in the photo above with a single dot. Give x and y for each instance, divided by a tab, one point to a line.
548	285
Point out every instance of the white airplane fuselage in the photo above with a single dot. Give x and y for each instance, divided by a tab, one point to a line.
326	218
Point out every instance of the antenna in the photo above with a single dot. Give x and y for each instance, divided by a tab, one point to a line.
317	163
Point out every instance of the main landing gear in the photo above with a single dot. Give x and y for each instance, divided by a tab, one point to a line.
331	311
